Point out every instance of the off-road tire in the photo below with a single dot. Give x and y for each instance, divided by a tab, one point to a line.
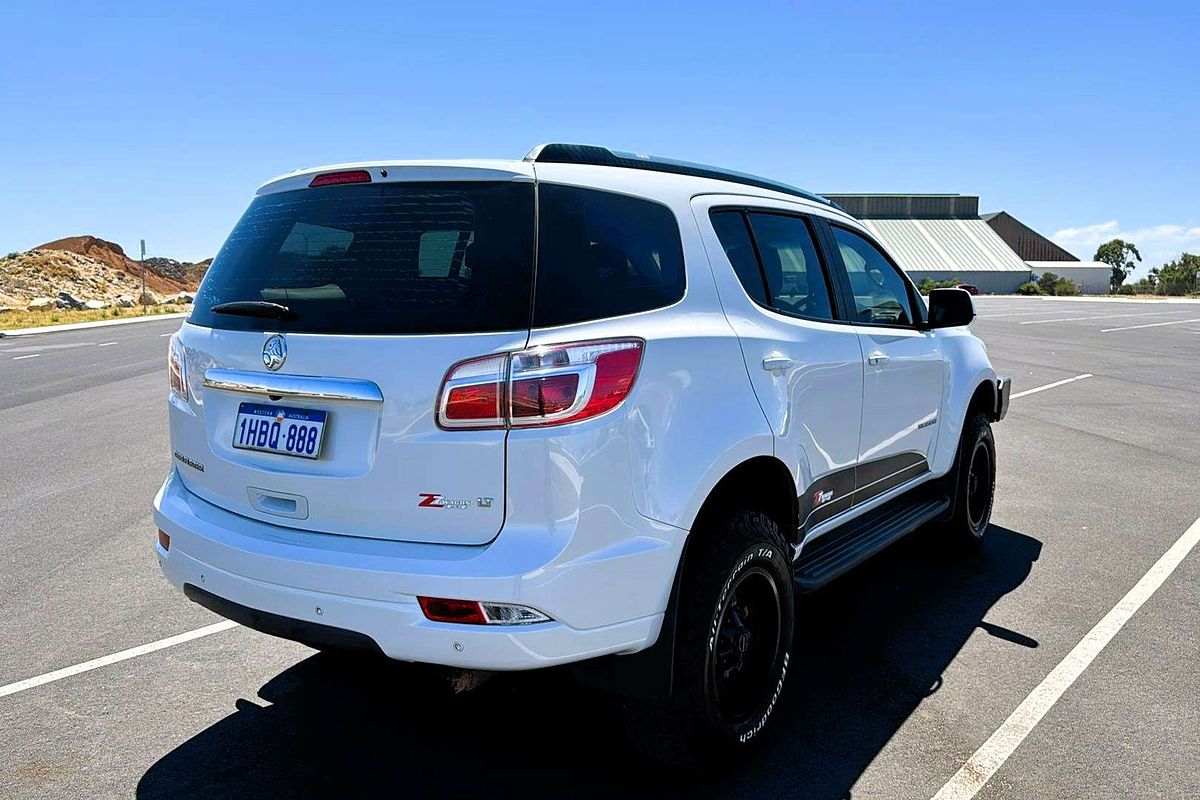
974	486
740	564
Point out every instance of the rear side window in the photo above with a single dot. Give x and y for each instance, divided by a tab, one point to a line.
775	257
602	254
735	238
388	258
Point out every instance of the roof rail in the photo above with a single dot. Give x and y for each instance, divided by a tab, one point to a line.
559	153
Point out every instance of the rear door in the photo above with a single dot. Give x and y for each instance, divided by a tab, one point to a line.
386	285
905	372
801	353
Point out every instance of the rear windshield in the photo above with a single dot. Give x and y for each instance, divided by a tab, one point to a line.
423	258
388	258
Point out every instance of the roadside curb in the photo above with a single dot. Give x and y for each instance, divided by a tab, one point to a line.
76	326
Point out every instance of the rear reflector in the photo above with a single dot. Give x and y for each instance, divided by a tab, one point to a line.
470	612
164	540
440	609
336	178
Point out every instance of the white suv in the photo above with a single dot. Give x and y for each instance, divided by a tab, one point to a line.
588	407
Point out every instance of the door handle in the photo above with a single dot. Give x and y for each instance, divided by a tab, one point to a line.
774	363
877	358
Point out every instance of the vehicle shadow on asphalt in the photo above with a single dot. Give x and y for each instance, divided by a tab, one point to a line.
869	648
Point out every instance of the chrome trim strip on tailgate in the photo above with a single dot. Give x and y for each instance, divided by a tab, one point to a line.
308	387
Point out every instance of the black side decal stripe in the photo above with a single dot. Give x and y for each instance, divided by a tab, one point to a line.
828	496
888	482
839	491
871	471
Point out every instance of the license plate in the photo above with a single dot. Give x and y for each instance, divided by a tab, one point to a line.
275	429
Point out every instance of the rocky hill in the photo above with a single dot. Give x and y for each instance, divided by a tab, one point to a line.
185	272
70	272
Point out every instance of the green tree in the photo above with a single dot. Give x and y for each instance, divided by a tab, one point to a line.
1179	276
1047	282
1116	253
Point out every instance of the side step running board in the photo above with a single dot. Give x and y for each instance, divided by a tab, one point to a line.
843	548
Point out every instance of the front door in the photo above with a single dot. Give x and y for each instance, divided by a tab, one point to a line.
905	371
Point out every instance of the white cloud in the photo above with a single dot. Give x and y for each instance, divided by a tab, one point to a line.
1157	243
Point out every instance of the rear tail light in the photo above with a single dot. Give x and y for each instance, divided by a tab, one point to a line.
472	612
541	386
339	178
176	369
472	392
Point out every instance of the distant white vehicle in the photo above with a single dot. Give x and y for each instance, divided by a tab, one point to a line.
586	407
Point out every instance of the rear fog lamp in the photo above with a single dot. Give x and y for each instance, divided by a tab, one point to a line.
472	612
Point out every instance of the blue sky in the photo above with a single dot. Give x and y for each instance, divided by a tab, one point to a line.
157	121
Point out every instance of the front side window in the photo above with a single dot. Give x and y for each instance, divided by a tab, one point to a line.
880	293
795	278
602	254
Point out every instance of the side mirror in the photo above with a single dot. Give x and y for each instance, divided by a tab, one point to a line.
950	308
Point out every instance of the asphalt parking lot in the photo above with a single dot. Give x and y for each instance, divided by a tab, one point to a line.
906	667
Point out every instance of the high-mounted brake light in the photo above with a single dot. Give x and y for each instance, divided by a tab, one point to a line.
549	385
337	178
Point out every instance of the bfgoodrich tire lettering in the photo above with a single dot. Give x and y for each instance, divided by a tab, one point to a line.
733	648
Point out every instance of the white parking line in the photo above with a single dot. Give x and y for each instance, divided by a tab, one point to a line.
107	344
18	358
168	333
1151	325
1063	382
1021	313
980	767
1100	316
124	655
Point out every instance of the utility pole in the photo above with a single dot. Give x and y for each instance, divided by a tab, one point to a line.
142	299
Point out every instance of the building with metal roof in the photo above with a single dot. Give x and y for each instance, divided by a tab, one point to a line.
1043	255
1024	240
940	237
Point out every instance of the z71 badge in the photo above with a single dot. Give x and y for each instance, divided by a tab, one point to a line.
432	500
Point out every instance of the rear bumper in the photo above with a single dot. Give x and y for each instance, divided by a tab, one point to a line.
335	590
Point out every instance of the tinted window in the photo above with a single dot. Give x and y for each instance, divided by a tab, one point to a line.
735	238
602	255
880	293
391	258
796	281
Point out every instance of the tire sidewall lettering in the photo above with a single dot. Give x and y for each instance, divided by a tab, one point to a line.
748	731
